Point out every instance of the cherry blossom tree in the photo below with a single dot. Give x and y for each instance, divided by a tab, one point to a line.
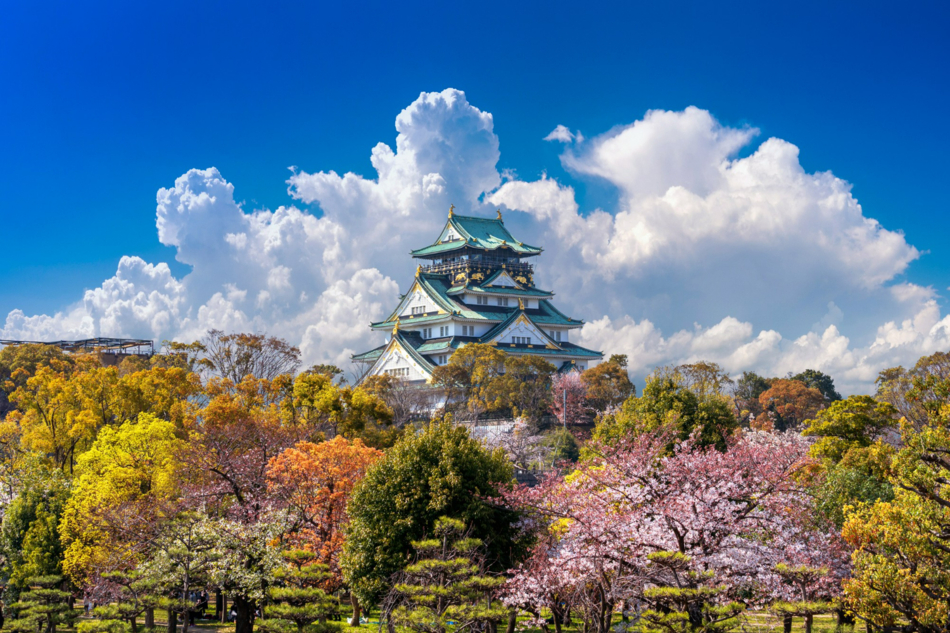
727	519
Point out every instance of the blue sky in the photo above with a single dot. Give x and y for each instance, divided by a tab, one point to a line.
105	103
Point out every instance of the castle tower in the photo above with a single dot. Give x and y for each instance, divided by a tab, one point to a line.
473	285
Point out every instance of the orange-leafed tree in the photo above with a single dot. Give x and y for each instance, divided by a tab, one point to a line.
314	482
787	404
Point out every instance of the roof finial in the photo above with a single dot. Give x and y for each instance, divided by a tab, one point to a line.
396	327
499	215
520	303
451	209
418	270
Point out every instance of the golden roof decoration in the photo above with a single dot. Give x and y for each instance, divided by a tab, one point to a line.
451	210
499	215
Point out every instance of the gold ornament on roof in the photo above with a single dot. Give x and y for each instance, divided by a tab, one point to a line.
396	328
521	280
418	270
499	214
451	210
520	303
461	278
478	276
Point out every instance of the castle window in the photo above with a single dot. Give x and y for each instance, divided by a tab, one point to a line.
443	330
427	332
482	301
503	301
521	340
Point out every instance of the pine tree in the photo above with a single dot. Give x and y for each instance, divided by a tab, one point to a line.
301	602
684	600
42	607
138	594
444	590
804	579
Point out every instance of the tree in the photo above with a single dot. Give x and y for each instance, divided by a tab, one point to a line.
639	515
43	607
902	546
321	408
439	471
313	483
568	398
407	401
667	404
125	485
608	384
134	594
445	588
23	360
526	387
300	600
913	392
805	584
470	379
746	394
181	561
238	356
815	379
857	422
32	547
787	404
683	599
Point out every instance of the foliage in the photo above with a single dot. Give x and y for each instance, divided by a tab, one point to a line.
684	600
526	387
914	392
563	446
857	422
608	384
313	483
902	557
43	607
30	538
134	594
746	394
23	360
300	602
668	405
322	408
469	379
124	485
786	405
445	588
407	401
438	471
604	530
815	379
805	582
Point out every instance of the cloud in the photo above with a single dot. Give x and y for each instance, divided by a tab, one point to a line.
560	134
715	249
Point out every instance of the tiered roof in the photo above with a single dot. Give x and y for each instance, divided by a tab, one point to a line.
483	234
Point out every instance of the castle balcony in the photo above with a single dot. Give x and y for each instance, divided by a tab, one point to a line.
465	264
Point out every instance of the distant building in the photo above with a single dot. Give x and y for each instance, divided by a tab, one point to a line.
474	287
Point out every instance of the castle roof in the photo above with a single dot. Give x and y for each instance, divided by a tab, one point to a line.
468	232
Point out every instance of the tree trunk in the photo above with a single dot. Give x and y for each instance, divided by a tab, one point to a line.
512	621
244	622
133	624
355	620
809	619
556	618
787	624
224	607
172	623
844	618
217	605
150	618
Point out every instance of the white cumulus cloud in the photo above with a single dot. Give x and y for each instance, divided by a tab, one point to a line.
710	252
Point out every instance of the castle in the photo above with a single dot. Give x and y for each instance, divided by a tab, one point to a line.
474	287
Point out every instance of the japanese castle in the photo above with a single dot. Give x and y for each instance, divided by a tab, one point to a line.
474	286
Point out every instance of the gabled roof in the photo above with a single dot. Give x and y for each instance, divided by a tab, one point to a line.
500	290
513	318
408	341
479	233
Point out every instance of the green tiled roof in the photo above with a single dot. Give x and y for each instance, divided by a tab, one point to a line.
568	349
480	233
370	356
502	290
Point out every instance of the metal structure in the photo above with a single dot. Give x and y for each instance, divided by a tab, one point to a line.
137	346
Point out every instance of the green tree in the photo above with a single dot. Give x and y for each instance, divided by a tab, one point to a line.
438	471
857	422
746	394
667	404
445	588
682	600
803	579
815	379
300	601
137	594
43	607
30	536
902	546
